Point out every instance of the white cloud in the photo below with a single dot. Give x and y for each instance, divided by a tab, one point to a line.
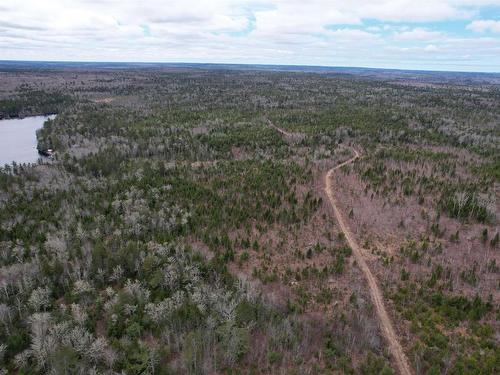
431	48
352	33
413	11
419	34
482	26
328	32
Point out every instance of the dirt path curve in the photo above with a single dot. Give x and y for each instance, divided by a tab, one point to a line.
279	130
375	293
385	322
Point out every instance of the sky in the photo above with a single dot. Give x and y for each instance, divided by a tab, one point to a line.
455	35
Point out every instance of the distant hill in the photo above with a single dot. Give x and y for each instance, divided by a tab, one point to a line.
378	73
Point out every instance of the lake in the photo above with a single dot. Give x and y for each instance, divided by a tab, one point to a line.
18	139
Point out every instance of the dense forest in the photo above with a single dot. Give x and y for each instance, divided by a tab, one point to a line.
178	231
32	102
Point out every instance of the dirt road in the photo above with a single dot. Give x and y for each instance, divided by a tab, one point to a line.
375	293
279	130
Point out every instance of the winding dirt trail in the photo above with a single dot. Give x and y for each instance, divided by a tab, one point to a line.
375	293
279	130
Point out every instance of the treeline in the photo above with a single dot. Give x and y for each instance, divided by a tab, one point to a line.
34	102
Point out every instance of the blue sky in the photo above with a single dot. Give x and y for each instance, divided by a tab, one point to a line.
426	34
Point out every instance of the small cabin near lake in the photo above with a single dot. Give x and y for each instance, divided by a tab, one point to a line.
47	153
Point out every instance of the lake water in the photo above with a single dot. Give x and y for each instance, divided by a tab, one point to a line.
18	139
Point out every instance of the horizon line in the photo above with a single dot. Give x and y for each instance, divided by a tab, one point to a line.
332	67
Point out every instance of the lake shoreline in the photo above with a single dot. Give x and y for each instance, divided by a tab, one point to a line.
18	139
33	114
